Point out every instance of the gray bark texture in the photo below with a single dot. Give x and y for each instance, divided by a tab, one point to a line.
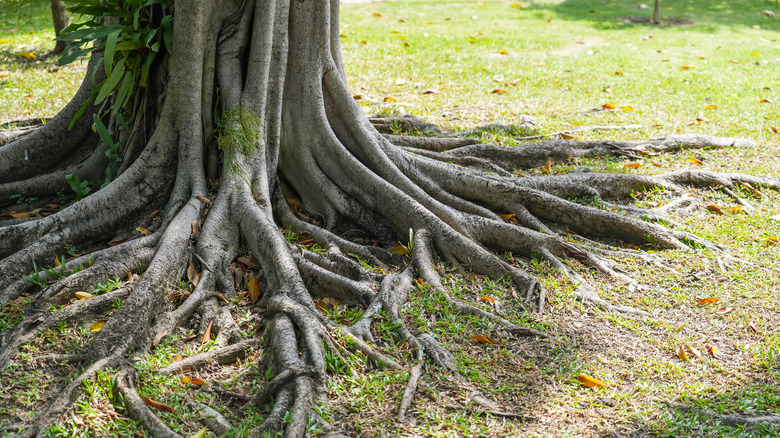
319	168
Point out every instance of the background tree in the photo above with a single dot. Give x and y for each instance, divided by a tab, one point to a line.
60	17
218	124
657	12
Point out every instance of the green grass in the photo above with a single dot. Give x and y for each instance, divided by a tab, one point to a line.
562	59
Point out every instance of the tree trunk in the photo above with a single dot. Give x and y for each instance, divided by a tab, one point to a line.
205	182
657	13
60	17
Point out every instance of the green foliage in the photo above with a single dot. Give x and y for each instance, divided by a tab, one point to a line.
139	30
81	188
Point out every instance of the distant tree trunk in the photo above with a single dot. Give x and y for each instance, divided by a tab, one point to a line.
60	22
657	13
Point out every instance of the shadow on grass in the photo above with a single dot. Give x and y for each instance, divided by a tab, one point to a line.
697	15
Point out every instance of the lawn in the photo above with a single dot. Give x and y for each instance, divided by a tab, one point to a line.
568	65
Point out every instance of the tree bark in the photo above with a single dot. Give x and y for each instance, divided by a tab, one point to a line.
284	166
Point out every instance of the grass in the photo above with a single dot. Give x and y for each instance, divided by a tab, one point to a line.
562	59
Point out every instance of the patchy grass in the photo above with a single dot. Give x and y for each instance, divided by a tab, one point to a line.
562	58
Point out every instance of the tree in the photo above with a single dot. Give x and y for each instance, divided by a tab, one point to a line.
60	17
657	13
244	128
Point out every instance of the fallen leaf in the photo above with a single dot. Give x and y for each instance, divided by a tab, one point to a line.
686	67
506	217
498	91
766	101
609	106
570	231
389	99
755	54
157	405
711	107
57	262
28	55
200	434
713	350
724	310
627	108
772	240
219	295
516	6
207	336
254	289
655	163
159	337
4	41
632	164
400	81
363	42
547	166
357	96
752	189
143	231
694	161
753	328
715	209
83	295
429	91
709	300
178	357
503	52
482	339
400	249
489	300
376	14
693	351
186	379
203	199
590	382
773	130
682	354
619	73
197	381
195	228
97	326
420	282
630	247
24	215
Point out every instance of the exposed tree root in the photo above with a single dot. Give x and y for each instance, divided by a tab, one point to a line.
344	194
748	421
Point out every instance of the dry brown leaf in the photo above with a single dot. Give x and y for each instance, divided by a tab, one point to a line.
655	163
737	209
203	199
709	300
773	240
357	96
389	99
630	247
711	107
376	14
97	326
627	108
632	165
693	351
571	231
117	242
694	161
178	357
429	91
503	52
482	339
249	261
547	167
753	328
21	215
724	310
619	73
609	106
489	300
186	379
197	381
28	55
143	231
590	382
420	282
713	350
773	130
83	295
191	273
752	190
157	405
766	101
506	217
159	337
207	336
682	354
219	295
195	228
686	67
498	91
566	136
516	6
715	209
254	289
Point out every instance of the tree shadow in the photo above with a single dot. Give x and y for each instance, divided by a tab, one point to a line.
698	15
